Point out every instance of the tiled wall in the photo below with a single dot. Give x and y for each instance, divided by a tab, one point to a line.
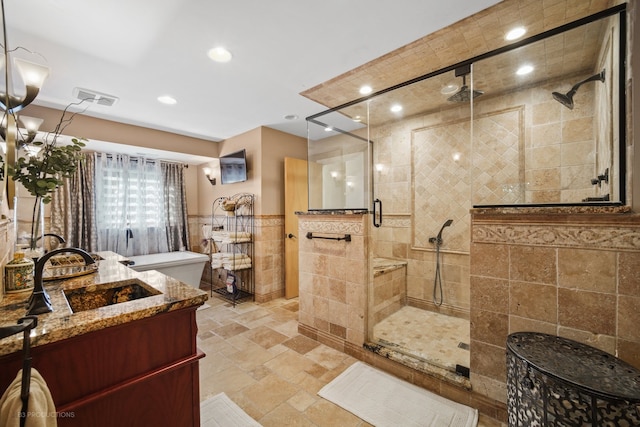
334	278
571	275
389	293
393	240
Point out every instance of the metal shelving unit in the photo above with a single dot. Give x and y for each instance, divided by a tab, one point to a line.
231	248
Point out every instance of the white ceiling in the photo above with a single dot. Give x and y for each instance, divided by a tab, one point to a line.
138	50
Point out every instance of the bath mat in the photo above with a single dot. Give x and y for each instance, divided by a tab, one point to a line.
384	400
220	411
204	306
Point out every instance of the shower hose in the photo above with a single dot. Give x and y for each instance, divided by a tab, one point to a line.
437	283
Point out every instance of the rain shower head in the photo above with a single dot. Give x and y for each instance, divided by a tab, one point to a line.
464	94
567	99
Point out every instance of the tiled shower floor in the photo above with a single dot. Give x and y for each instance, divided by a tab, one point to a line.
427	336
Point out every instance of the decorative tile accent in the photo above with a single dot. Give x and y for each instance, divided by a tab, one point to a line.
606	237
331	227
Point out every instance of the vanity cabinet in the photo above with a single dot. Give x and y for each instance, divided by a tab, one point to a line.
140	373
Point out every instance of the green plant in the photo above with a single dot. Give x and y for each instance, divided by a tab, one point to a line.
42	173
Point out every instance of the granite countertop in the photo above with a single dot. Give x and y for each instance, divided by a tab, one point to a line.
62	323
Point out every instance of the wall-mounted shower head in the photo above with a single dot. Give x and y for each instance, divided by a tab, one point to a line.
567	99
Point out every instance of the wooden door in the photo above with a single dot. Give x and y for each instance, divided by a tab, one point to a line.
296	198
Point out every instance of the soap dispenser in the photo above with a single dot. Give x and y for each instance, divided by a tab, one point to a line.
18	274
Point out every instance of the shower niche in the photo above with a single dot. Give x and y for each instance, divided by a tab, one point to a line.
538	123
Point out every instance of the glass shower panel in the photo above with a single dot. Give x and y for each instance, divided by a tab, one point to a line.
339	159
548	130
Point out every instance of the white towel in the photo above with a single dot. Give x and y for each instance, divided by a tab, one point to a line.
237	265
41	411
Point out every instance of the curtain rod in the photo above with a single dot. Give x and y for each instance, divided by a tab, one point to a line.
135	159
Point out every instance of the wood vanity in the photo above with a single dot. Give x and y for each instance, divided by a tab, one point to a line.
128	364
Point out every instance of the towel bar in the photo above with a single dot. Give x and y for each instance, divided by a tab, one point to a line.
346	238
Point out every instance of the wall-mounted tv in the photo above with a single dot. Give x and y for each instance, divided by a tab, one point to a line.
233	167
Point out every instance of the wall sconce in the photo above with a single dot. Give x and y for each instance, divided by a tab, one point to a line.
208	174
334	175
379	168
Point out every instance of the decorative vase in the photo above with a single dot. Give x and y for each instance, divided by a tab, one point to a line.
28	217
18	274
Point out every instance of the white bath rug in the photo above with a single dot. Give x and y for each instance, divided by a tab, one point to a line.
220	411
204	306
384	400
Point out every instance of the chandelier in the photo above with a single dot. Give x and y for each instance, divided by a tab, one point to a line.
32	76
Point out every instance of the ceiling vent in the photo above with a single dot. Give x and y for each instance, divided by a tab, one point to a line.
94	97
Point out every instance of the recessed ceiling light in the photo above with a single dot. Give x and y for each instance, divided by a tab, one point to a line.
328	129
357	119
515	33
396	108
525	69
291	117
365	90
449	89
219	54
166	99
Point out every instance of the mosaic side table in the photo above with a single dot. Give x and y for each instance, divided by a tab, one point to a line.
554	381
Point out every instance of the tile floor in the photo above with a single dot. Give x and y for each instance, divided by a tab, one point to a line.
428	336
255	355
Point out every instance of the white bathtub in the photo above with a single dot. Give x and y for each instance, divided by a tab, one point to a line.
184	266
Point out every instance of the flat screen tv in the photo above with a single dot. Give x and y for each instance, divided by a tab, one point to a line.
233	167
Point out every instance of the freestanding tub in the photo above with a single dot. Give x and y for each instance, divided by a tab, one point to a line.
183	265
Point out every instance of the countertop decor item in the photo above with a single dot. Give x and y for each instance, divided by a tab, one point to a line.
18	274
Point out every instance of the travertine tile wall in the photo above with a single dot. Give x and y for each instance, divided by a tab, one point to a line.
389	293
571	275
268	259
334	278
393	240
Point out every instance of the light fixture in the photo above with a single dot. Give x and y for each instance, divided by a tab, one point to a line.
396	108
328	129
515	33
167	99
219	54
208	174
449	89
334	175
365	90
524	70
291	117
379	167
33	76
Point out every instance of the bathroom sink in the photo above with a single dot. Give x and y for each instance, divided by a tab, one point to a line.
96	296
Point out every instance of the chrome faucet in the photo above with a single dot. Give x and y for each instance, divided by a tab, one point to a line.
40	302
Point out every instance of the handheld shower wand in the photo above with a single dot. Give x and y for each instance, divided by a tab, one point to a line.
438	240
437	282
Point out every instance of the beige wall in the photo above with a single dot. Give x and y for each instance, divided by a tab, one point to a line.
120	133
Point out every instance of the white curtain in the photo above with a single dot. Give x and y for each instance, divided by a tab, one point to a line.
129	205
